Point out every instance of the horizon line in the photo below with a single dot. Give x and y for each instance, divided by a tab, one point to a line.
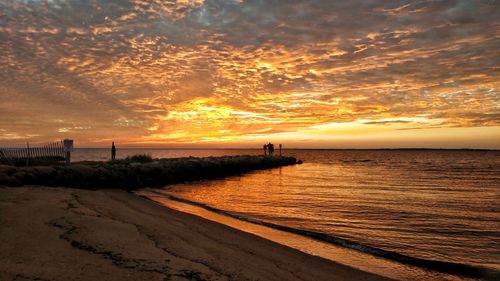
291	148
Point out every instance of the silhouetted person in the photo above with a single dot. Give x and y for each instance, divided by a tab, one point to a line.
270	148
113	151
280	149
265	149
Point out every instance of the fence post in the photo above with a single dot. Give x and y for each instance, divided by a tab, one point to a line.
51	149
28	154
68	147
61	148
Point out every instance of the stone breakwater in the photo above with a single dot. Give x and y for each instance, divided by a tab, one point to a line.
130	175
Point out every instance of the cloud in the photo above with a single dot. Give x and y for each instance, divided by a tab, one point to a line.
284	65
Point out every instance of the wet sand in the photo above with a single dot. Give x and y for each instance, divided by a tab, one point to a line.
70	234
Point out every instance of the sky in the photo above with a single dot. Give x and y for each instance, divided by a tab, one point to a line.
240	73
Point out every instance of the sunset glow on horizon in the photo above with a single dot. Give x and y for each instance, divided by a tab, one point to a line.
237	73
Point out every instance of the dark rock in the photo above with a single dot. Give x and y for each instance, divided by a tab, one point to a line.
131	175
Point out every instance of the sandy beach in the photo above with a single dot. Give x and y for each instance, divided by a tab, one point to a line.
70	234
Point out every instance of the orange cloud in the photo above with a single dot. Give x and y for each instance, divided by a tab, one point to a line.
236	72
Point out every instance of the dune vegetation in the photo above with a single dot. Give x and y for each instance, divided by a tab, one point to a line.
137	171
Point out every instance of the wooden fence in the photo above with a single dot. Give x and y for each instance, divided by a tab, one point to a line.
51	151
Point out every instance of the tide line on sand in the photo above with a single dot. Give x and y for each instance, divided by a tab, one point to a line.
75	234
457	269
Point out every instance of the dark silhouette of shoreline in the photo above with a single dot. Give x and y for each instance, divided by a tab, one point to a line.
137	171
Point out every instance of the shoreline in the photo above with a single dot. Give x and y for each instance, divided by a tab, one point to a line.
313	245
67	234
137	171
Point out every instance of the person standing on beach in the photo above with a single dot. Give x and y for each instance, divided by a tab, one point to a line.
265	149
113	151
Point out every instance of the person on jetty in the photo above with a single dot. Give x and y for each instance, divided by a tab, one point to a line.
270	149
265	149
113	151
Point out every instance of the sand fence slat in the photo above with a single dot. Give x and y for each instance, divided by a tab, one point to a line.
27	151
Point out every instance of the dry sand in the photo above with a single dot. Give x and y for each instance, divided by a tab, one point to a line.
70	234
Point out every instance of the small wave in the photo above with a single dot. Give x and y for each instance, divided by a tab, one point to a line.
440	266
357	161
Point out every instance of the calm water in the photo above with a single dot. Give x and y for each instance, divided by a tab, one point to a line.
82	154
431	205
